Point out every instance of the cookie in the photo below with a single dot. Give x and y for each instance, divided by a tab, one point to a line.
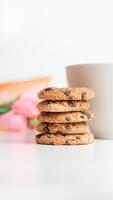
59	139
63	106
70	128
80	93
66	117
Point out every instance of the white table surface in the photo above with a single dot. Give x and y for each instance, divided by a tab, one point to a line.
29	171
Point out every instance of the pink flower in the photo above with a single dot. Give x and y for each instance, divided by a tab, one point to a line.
13	122
31	93
6	96
25	107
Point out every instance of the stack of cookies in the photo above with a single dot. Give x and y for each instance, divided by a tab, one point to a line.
64	116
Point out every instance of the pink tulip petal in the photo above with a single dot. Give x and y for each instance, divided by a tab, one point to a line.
31	93
25	107
5	96
13	122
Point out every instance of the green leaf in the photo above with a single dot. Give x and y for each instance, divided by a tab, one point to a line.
10	102
4	110
33	122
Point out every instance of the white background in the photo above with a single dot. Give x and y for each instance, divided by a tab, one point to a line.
40	37
37	172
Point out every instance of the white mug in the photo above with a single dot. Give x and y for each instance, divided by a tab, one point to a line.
98	77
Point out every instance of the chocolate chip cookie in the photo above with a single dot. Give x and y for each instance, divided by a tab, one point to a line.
59	139
63	106
80	93
66	117
70	128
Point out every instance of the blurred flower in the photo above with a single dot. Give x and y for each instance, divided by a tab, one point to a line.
31	93
13	122
5	96
25	107
19	113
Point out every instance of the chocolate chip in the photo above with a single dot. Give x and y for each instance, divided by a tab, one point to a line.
82	116
71	103
67	127
67	118
67	92
48	89
58	132
77	137
39	135
46	129
87	114
48	136
83	95
45	114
